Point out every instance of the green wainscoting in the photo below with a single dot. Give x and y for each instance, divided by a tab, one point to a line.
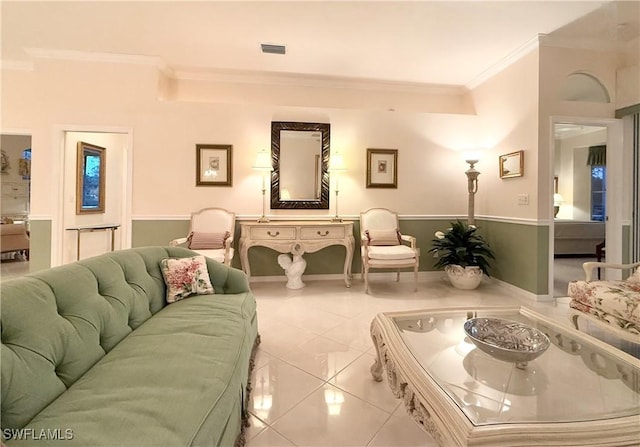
522	254
521	250
39	245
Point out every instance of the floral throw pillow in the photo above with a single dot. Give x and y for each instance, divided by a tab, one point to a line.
185	277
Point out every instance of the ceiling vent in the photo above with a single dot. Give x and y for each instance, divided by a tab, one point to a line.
273	49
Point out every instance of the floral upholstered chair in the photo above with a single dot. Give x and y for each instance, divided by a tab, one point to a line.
211	234
382	245
611	304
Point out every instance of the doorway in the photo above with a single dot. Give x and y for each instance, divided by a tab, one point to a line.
586	168
117	195
15	173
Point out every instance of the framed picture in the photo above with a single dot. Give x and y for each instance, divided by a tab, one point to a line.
213	165
512	165
382	168
90	178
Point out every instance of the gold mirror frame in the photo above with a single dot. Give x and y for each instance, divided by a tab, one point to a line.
512	165
90	179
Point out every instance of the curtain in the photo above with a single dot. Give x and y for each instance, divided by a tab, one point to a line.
597	155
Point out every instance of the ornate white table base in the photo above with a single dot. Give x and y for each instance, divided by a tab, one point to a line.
433	409
297	238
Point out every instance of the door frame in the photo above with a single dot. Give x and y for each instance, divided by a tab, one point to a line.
57	224
614	185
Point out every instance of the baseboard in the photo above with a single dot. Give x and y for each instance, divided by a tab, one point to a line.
429	276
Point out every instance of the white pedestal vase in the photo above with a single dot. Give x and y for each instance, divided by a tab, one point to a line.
466	278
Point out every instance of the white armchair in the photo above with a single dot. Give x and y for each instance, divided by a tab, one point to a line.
382	245
211	234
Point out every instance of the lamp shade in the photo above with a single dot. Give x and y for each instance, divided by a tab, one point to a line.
336	163
263	161
557	199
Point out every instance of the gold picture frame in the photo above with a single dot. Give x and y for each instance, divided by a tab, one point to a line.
382	168
512	164
90	178
213	165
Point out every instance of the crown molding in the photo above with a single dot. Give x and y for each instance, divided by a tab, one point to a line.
505	62
591	44
308	80
90	56
244	76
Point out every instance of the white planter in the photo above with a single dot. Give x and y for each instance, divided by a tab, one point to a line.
466	278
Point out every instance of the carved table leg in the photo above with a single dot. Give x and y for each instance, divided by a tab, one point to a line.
376	368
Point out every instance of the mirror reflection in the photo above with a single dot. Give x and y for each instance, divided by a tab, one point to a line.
300	156
300	153
512	165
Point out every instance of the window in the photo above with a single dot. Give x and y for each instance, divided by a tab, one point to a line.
598	192
24	166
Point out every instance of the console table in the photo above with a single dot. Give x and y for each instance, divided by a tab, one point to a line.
90	229
297	238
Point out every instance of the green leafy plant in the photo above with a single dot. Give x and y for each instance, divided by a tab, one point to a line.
461	245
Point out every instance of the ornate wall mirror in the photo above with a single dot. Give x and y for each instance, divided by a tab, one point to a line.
300	156
90	179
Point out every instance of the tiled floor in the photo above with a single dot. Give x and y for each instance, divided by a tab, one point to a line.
13	267
565	270
311	383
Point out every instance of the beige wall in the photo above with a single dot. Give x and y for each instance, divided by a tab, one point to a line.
430	144
510	111
165	135
507	106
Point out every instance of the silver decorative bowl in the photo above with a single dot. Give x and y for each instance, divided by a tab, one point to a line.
507	340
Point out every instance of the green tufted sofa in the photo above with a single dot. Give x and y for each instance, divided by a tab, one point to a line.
93	356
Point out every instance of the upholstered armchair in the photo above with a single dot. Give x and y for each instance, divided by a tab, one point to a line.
383	246
211	234
613	305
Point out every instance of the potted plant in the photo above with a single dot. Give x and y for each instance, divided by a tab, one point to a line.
463	254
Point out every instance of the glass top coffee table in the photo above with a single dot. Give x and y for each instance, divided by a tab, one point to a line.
580	391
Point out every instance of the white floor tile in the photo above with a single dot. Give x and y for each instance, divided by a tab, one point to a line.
322	357
402	431
316	355
278	387
331	417
357	380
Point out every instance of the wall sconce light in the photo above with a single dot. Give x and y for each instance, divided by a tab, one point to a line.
472	185
336	166
263	164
